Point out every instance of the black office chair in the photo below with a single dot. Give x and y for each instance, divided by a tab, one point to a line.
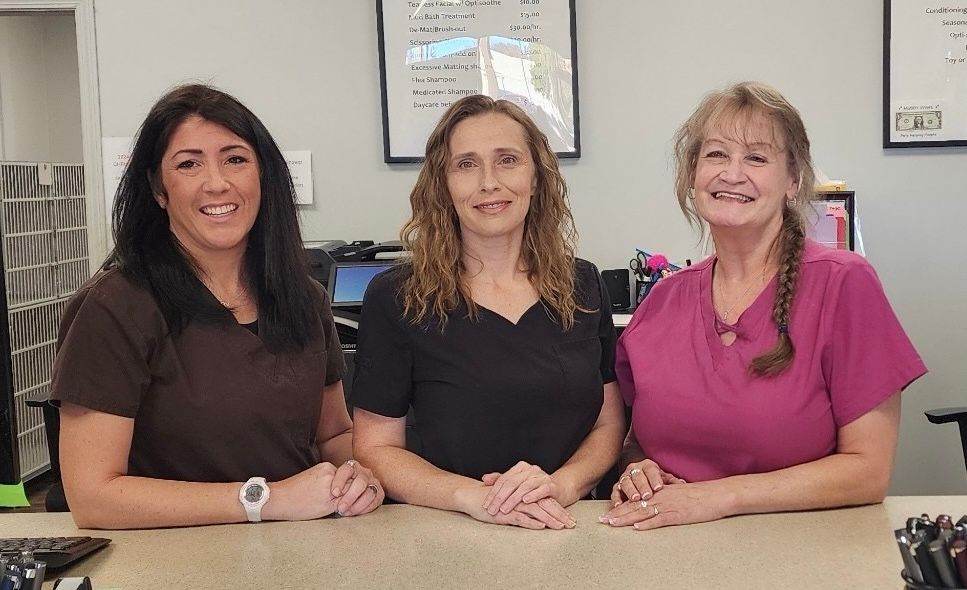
945	415
56	500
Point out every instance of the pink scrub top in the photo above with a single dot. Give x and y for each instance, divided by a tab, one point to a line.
699	412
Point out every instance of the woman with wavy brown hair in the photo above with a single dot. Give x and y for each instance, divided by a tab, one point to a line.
767	376
493	332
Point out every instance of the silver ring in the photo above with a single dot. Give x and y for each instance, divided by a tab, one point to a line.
656	510
635	471
373	487
643	504
352	465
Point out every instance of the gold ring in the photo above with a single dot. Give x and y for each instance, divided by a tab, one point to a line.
635	471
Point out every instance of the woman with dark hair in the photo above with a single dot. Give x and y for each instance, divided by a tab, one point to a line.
493	332
199	373
769	375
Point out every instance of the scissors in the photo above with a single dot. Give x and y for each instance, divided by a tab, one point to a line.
639	265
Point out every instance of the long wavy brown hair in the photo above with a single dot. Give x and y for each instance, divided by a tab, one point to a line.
733	110
436	285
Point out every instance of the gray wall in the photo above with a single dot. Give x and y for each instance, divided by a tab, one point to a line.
309	69
40	100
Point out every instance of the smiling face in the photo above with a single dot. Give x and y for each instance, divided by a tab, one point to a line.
211	180
743	178
490	176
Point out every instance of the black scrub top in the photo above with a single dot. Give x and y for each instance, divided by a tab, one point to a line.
487	393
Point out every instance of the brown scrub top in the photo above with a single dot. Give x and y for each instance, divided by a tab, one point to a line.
210	405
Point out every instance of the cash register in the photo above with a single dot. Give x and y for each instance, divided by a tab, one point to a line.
345	269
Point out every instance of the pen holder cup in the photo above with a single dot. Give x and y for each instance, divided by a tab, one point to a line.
643	288
912	584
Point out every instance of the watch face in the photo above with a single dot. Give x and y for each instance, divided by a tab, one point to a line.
253	493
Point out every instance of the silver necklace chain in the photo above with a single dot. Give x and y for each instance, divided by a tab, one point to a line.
725	315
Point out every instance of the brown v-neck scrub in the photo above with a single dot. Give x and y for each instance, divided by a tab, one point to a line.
210	405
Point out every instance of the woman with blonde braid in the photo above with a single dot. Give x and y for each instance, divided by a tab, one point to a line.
768	376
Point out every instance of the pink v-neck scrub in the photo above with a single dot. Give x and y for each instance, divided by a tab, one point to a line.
699	412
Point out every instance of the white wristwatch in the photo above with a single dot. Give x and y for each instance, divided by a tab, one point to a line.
253	495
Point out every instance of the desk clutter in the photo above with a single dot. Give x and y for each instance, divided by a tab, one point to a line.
21	571
649	269
628	286
934	552
24	561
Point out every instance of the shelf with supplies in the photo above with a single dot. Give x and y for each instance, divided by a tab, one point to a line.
833	221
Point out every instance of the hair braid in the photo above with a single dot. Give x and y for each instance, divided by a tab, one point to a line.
793	238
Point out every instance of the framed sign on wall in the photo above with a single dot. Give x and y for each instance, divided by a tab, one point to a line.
434	52
924	73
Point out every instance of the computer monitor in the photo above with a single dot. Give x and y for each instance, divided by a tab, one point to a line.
833	221
348	281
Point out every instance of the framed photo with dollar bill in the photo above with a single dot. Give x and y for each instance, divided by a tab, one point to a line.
434	52
924	73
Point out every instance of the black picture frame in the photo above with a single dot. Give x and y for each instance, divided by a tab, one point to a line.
391	158
889	117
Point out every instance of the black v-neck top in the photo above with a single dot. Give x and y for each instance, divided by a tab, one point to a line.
487	393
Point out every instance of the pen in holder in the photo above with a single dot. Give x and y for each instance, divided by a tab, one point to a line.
912	584
934	553
648	270
643	288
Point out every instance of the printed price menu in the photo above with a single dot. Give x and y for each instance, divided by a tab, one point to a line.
433	52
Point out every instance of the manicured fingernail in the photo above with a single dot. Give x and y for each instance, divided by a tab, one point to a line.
602	520
658	487
617	503
611	521
635	497
646	495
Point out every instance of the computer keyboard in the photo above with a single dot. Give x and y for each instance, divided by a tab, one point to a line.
56	552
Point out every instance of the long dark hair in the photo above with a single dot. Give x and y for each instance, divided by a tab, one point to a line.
149	254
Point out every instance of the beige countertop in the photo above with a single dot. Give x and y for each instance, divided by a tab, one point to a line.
413	547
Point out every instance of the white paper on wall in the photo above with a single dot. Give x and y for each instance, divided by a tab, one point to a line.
300	167
115	152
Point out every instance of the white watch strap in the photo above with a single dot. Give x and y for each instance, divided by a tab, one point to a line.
254	513
253	510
